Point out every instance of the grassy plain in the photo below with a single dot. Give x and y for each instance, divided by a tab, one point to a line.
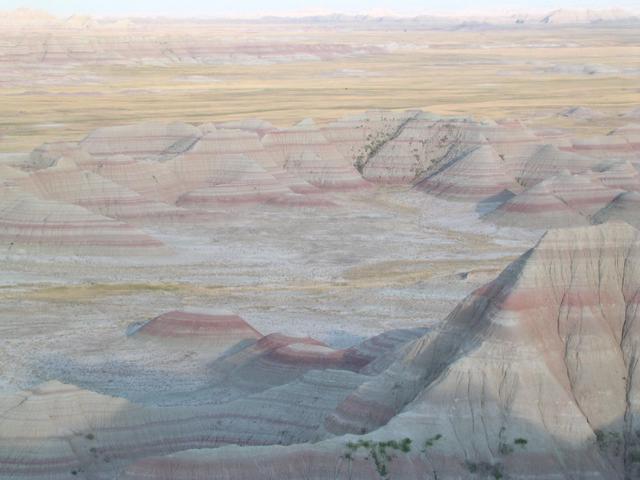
494	73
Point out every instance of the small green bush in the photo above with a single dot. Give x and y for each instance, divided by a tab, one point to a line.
634	456
521	442
430	442
378	452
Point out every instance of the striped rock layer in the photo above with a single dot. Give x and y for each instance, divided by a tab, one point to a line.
46	226
547	160
620	144
560	201
242	180
532	375
56	429
621	175
476	176
306	153
163	172
147	140
65	182
277	359
285	389
624	208
215	332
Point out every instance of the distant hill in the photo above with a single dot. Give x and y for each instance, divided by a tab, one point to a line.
560	17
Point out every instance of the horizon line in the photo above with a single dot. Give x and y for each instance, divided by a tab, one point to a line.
489	13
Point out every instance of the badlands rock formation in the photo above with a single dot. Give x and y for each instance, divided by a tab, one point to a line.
548	160
46	226
625	207
568	199
278	359
621	175
163	172
266	390
61	431
65	182
618	145
581	113
477	176
532	375
560	201
215	332
305	152
146	140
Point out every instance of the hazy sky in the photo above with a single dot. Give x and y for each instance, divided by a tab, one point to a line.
257	7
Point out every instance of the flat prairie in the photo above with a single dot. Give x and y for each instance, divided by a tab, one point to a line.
486	73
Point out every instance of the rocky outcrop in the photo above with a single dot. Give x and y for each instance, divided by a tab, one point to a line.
242	181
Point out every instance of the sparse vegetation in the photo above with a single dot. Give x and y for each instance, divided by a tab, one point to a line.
609	442
505	449
521	442
486	469
380	452
430	442
375	143
634	456
496	469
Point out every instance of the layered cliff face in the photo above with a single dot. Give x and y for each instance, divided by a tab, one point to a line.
622	175
533	374
621	144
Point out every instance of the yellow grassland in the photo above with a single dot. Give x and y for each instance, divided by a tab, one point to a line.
488	74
